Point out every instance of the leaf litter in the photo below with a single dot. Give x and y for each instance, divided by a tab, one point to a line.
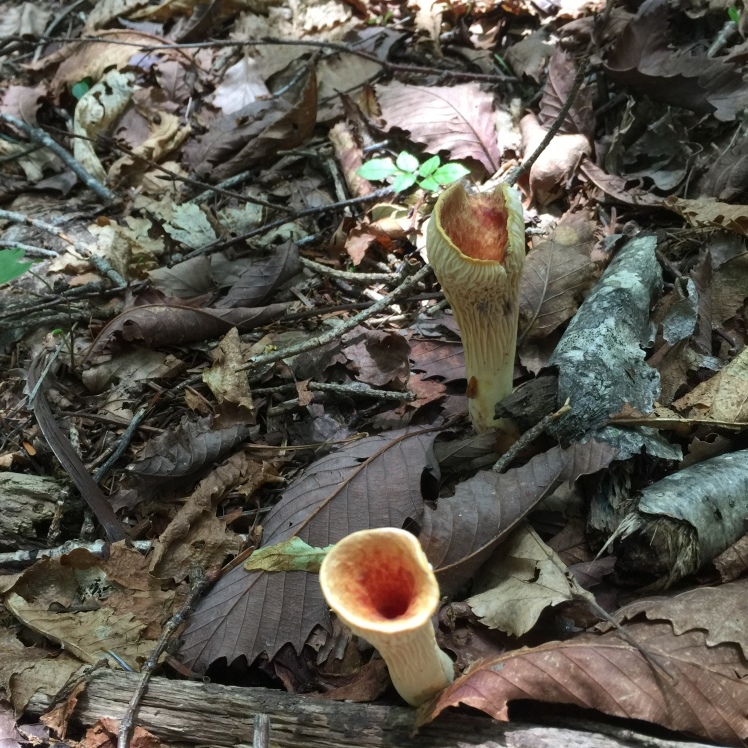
211	402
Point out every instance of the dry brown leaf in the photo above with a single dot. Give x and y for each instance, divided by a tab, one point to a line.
26	670
646	58
724	397
196	535
580	119
707	211
226	380
557	274
438	358
457	119
84	59
464	529
522	578
682	683
185	449
556	164
255	133
379	358
157	325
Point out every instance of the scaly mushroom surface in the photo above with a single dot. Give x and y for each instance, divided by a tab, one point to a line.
476	246
380	584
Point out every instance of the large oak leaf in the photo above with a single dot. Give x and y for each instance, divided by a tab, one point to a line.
462	532
458	119
680	676
374	482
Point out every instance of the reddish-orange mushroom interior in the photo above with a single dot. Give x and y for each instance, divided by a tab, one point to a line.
385	590
476	225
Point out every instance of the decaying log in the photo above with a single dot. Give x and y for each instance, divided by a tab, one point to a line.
190	713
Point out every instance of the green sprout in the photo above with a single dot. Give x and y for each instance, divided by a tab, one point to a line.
406	171
734	14
12	264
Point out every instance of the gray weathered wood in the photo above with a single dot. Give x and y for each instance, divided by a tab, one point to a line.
27	502
193	713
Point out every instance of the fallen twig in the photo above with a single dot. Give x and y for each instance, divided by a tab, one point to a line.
41	137
336	332
99	262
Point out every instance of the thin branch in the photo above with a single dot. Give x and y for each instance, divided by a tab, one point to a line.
42	138
528	438
518	171
390	67
345	275
343	327
99	262
149	666
222	244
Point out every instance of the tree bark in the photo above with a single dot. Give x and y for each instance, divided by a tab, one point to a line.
191	713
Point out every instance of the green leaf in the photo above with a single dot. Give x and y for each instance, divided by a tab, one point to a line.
734	14
428	167
429	184
403	181
81	88
406	161
377	169
12	264
449	173
288	555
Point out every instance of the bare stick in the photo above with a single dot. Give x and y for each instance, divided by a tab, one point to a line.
390	67
41	137
99	262
318	267
224	244
149	666
343	327
528	438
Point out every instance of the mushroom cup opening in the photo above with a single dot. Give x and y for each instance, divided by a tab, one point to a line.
377	582
476	225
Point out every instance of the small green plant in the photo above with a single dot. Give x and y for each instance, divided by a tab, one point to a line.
12	264
406	171
734	14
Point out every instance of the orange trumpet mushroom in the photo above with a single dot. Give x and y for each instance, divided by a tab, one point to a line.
476	246
380	584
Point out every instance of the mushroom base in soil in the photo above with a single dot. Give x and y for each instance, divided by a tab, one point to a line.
476	246
380	583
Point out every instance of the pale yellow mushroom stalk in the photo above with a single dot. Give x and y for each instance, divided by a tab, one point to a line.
476	246
380	583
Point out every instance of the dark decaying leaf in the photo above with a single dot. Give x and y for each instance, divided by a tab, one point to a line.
461	533
374	482
158	324
561	73
556	276
379	358
457	119
186	449
256	284
438	358
694	609
600	359
645	58
255	133
682	684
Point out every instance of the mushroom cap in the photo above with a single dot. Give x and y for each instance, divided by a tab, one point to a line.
380	581
476	246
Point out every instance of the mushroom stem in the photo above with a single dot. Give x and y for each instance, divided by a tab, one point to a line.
380	583
476	246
